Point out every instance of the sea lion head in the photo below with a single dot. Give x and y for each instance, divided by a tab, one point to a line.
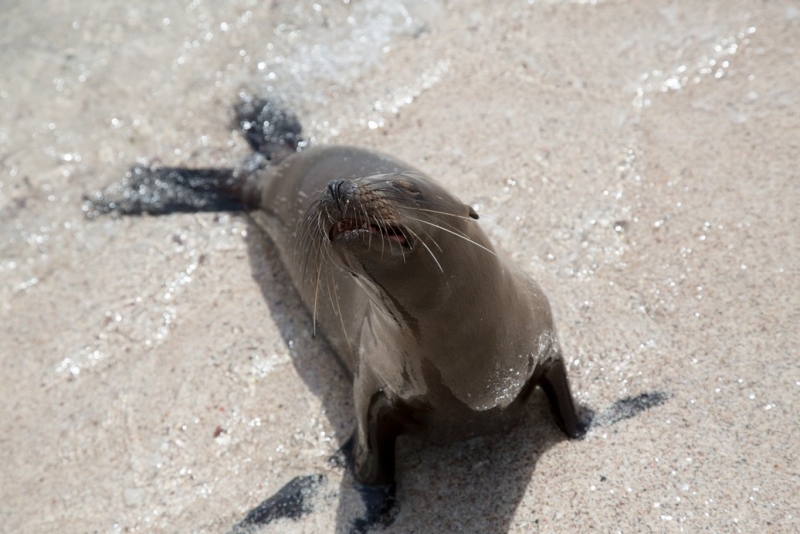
386	227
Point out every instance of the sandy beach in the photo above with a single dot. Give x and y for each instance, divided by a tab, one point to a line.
639	159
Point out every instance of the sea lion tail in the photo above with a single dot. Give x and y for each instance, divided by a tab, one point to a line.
164	190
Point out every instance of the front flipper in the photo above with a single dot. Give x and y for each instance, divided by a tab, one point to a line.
373	448
555	384
372	456
381	506
379	500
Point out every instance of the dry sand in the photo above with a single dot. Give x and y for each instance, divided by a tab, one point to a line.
639	159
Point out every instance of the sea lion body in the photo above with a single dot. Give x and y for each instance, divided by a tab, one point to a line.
445	337
442	334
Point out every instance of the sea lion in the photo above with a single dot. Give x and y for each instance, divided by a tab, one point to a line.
441	332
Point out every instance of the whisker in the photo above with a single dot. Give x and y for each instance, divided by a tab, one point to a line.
337	306
402	252
404	201
465	238
427	234
316	293
383	226
440	221
466	218
366	218
306	239
426	248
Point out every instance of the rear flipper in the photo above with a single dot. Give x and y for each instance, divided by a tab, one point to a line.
270	129
164	190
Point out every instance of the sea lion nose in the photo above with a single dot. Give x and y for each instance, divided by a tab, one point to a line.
335	189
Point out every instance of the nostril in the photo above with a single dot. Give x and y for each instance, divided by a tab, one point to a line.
335	189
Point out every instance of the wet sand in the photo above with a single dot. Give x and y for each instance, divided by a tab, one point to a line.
639	159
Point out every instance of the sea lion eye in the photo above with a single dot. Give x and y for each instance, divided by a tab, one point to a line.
407	187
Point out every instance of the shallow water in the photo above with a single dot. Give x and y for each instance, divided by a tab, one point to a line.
638	159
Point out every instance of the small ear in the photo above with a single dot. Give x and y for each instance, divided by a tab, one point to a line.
472	213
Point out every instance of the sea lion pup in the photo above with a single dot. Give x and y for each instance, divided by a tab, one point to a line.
441	332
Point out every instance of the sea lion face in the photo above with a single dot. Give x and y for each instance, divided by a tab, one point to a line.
384	221
401	236
362	211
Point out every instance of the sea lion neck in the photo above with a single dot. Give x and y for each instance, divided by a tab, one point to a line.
428	281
